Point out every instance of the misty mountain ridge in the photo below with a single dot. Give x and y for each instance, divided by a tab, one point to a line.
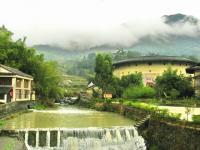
180	18
61	54
170	44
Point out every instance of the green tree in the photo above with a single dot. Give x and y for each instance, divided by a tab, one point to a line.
16	54
118	90
103	72
131	80
173	85
84	67
109	83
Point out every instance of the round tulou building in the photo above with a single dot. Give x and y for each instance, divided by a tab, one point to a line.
151	66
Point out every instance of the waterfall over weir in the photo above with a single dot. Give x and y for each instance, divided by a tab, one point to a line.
116	138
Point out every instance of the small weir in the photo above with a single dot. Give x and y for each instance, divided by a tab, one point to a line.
72	128
115	138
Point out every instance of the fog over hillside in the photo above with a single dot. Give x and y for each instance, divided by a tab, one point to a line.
91	25
175	34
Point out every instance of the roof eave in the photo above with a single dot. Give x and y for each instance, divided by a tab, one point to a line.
119	63
13	73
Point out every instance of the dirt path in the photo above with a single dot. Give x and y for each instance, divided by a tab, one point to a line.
8	143
182	110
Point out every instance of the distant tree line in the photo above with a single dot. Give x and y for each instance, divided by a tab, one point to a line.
16	54
85	67
121	54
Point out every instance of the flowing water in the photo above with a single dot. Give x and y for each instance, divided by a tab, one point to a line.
67	117
80	129
119	138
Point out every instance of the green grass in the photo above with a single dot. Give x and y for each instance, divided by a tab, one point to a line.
39	107
158	113
9	146
164	102
196	119
2	123
139	92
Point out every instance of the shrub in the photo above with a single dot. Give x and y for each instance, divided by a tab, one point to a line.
174	85
156	113
39	107
164	114
174	94
95	94
196	119
139	92
154	147
99	106
2	122
131	79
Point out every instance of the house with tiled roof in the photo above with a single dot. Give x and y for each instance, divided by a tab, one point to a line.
151	66
196	71
14	85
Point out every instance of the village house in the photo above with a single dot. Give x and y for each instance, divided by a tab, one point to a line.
196	71
151	66
15	85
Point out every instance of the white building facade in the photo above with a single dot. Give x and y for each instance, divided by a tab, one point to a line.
14	85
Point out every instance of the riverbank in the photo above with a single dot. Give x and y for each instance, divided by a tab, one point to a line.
13	107
162	135
173	102
161	131
78	123
10	141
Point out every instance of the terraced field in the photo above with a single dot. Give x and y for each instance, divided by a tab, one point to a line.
74	83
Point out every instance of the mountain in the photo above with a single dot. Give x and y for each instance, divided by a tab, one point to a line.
173	44
170	44
181	45
57	53
60	54
180	18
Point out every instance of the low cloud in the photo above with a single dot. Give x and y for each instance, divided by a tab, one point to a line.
81	25
123	35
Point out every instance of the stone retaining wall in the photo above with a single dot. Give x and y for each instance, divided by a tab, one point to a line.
13	107
135	114
166	136
161	135
158	135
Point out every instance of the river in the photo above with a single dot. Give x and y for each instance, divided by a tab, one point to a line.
76	129
67	117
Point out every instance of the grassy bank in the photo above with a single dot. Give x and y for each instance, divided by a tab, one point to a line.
172	102
149	109
110	105
165	102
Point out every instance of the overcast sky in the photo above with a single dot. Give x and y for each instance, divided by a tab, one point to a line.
86	23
